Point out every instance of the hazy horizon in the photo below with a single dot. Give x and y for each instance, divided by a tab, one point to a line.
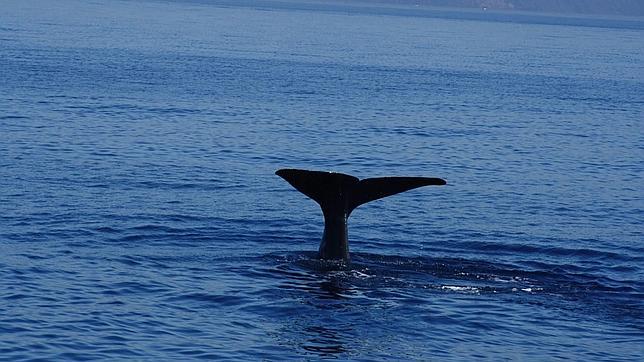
591	7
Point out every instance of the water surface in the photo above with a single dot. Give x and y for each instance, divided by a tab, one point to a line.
142	219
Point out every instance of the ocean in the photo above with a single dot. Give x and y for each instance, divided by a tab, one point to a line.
141	218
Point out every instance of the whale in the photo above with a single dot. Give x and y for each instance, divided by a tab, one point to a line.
338	194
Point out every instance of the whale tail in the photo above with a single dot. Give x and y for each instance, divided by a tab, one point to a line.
339	194
332	189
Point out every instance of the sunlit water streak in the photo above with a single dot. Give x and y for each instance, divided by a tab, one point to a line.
142	219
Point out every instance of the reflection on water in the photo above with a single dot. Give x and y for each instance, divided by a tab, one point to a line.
324	340
327	336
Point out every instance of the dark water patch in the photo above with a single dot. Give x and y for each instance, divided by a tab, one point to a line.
125	288
210	185
12	117
129	261
538	248
107	230
211	300
34	257
373	279
157	228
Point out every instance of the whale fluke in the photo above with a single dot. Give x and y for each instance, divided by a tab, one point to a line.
339	194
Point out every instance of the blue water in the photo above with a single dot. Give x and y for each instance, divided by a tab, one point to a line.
141	218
